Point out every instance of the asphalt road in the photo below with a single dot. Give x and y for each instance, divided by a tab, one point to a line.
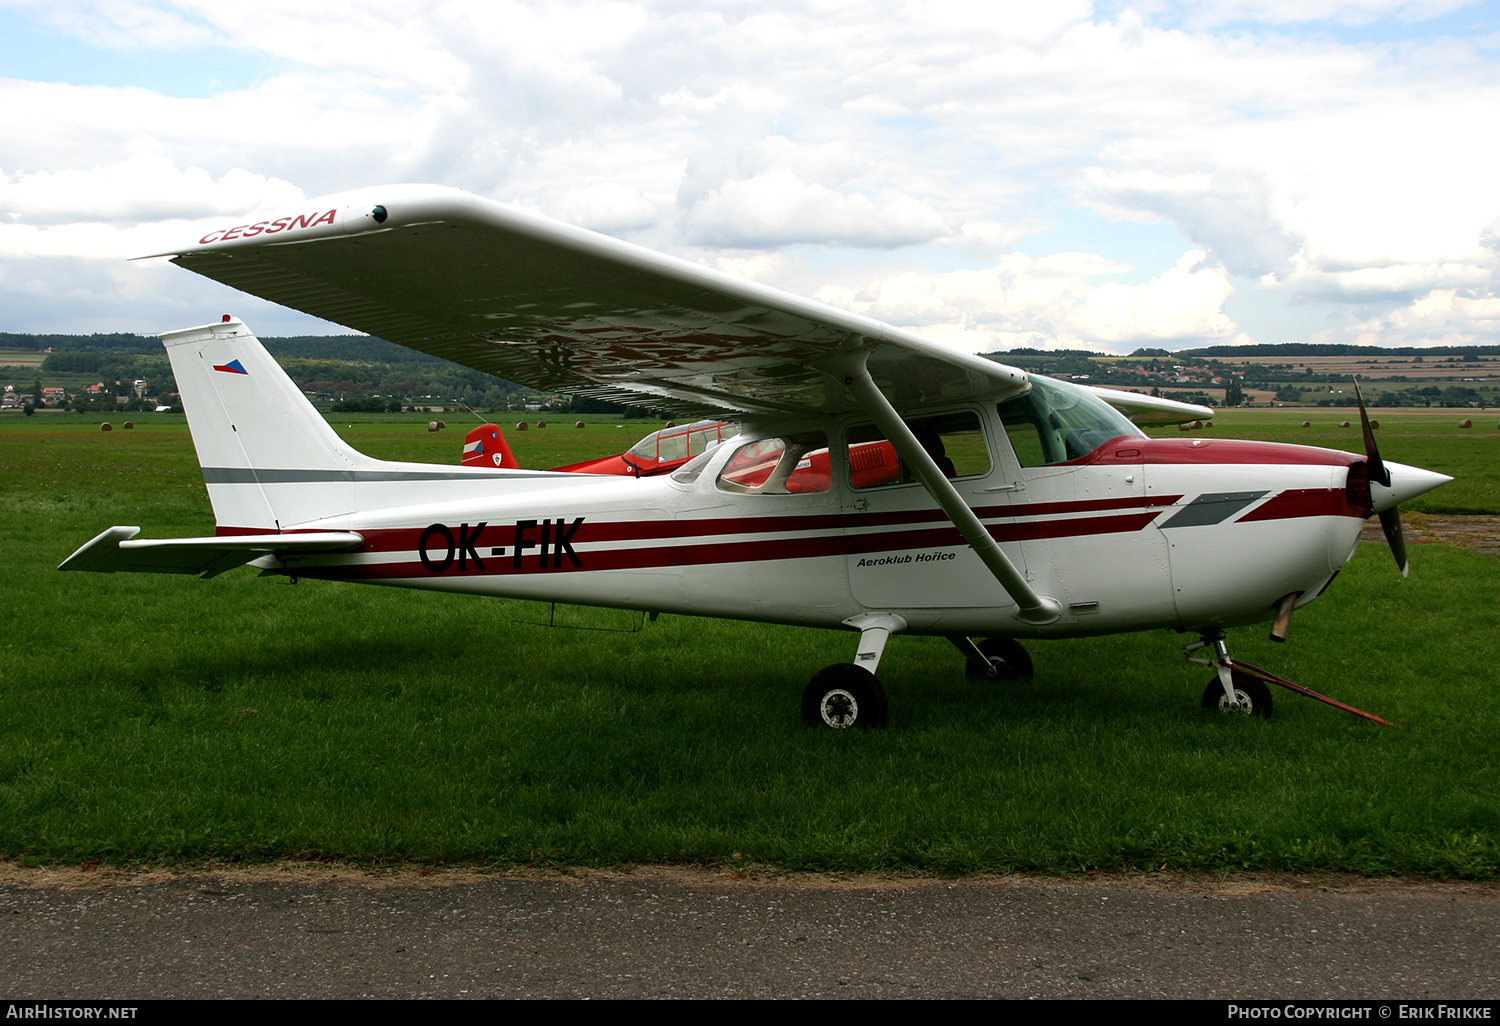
660	933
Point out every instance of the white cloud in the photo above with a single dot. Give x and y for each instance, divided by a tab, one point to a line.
1361	205
53	294
776	208
888	134
120	24
317	132
763	266
1443	317
1052	302
142	188
1206	13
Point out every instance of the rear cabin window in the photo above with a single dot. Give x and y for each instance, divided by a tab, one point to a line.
953	440
1054	423
791	465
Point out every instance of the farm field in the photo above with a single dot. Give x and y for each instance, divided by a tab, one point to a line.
1378	369
19	358
156	719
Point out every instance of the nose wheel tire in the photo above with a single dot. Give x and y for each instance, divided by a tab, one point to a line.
1252	697
1008	661
843	696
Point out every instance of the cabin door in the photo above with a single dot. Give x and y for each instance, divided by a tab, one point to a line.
903	552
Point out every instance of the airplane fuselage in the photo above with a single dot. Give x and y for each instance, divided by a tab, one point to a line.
1194	532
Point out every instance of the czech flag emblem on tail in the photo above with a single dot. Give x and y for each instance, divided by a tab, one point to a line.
232	367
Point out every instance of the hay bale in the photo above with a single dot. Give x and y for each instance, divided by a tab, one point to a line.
105	426
1343	423
432	425
1374	424
1185	427
578	424
1307	423
442	424
1465	423
127	425
521	426
541	423
1208	423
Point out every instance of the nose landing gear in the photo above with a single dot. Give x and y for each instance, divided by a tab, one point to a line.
1251	697
1231	690
1241	688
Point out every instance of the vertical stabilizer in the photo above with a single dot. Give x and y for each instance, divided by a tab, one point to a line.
269	458
486	446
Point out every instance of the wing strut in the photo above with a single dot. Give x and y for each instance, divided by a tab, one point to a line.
850	368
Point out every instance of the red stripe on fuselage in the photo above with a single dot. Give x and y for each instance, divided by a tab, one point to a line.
397	539
699	554
1305	502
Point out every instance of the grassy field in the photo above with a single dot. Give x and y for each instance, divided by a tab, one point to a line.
159	719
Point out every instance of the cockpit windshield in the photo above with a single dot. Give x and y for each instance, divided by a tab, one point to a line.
1055	423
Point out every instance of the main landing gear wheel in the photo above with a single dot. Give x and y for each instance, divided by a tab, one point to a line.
843	696
1008	661
1252	697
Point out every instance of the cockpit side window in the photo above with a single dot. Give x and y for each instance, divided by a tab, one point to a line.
1053	423
953	440
794	464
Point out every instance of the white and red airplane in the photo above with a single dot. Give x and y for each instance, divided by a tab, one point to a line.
881	482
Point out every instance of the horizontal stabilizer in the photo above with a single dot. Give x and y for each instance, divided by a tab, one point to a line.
113	551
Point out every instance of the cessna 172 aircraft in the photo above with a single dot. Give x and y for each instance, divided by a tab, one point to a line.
880	482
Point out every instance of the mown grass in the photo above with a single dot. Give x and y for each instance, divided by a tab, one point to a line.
167	719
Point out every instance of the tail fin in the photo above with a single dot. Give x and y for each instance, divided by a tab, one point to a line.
269	459
486	446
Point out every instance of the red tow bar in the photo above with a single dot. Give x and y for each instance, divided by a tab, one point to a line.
1266	677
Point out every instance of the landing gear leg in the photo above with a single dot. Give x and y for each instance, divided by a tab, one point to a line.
1231	691
849	694
994	659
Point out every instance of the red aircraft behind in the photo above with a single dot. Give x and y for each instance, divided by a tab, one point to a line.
661	452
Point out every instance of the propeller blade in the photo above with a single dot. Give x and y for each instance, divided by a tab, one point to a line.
1390	519
1378	472
1390	523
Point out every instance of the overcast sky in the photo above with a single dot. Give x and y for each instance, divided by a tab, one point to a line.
1067	174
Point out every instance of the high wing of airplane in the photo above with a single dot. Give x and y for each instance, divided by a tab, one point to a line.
880	482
